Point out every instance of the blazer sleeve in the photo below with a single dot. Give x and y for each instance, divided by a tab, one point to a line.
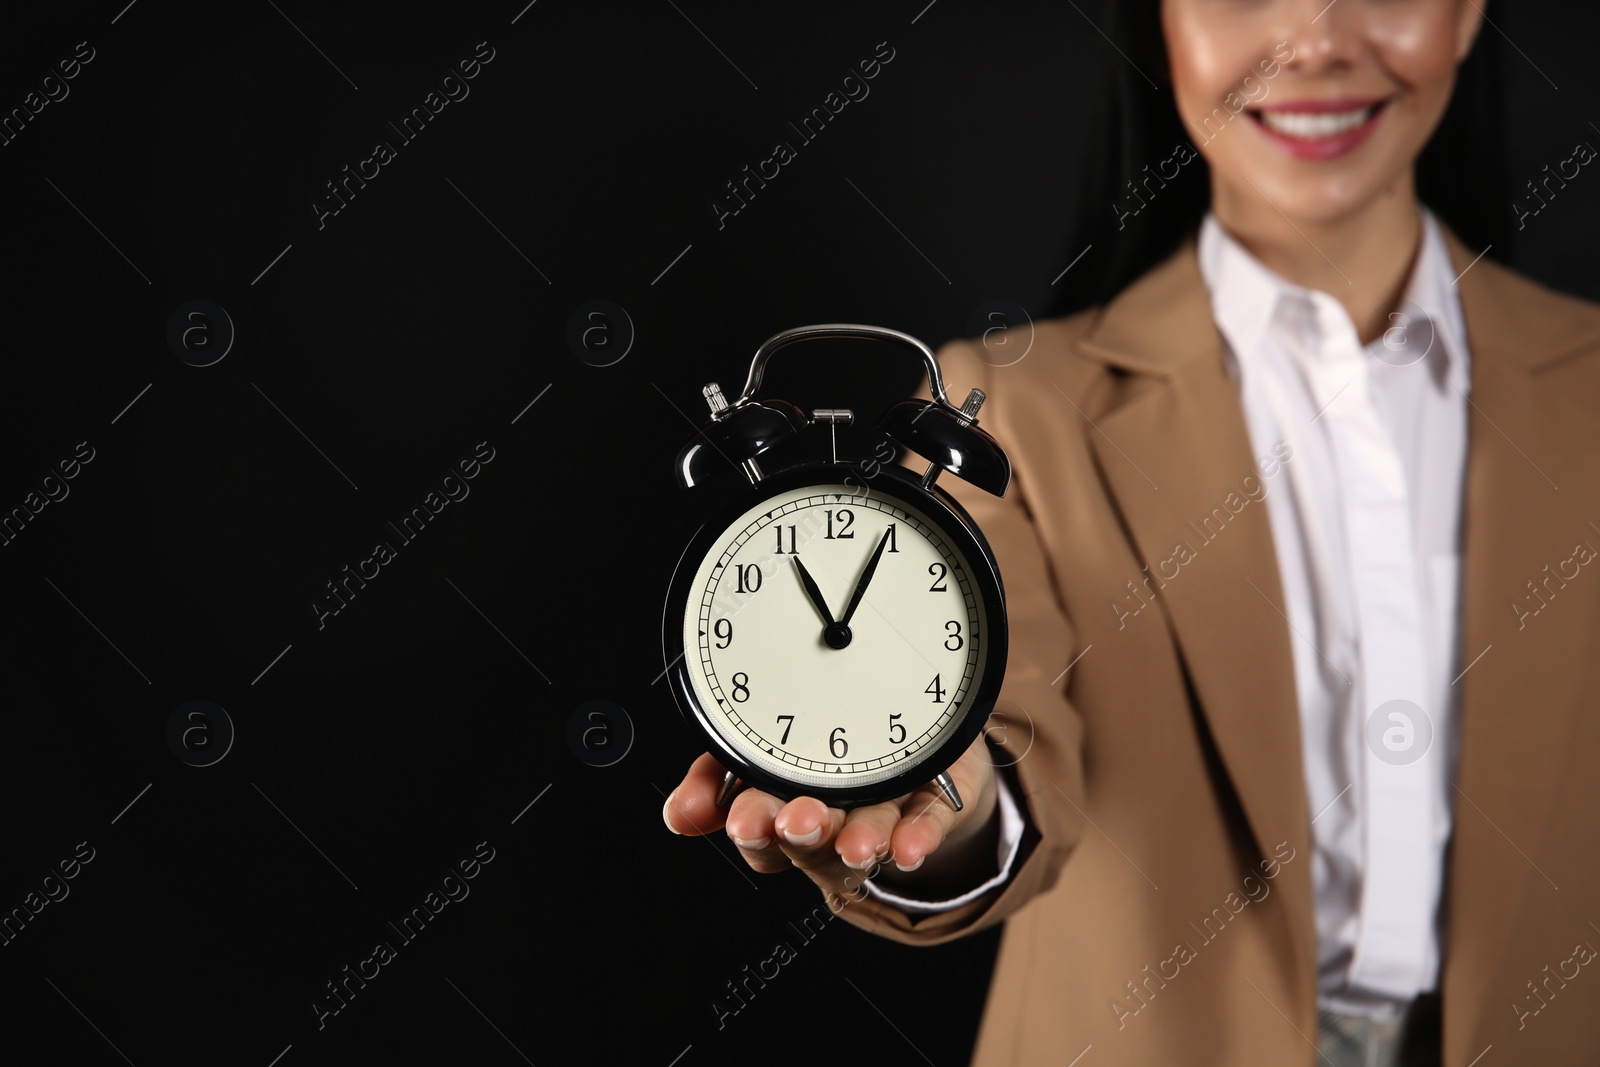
1035	735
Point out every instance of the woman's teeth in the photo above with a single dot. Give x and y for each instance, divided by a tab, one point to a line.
1312	125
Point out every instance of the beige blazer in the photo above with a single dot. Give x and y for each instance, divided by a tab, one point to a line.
1162	913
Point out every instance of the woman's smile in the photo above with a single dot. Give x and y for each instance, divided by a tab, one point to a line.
1320	129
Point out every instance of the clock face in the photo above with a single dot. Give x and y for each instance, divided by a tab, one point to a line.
854	703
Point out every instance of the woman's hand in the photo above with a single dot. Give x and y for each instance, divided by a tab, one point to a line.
949	850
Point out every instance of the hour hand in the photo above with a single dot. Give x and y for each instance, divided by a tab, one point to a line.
813	592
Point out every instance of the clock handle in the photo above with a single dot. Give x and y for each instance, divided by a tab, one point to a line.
823	331
950	440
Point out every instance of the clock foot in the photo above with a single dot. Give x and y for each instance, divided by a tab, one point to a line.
947	786
730	785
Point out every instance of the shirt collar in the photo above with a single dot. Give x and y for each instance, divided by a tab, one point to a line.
1245	295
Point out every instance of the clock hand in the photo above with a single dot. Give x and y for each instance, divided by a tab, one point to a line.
866	576
812	591
835	635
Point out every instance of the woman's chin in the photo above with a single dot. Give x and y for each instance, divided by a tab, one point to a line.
1319	202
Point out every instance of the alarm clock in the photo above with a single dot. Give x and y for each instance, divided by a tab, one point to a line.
833	634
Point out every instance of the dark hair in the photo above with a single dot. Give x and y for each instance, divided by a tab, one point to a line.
1135	129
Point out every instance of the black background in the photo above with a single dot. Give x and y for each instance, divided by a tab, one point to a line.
429	713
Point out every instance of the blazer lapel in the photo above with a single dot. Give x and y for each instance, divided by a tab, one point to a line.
1172	449
1529	502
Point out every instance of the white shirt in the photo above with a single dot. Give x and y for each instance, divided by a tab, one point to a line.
1366	525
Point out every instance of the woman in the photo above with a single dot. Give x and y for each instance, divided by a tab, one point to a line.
1290	757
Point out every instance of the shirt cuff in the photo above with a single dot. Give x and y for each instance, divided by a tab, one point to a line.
1011	827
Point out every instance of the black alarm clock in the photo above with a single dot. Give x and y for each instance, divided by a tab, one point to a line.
835	635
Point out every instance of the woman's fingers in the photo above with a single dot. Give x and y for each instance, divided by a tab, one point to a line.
866	835
692	807
832	846
804	838
750	826
805	830
927	817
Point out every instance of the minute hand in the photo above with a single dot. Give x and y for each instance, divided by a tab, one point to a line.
866	576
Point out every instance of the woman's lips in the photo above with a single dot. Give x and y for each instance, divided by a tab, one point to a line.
1319	129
